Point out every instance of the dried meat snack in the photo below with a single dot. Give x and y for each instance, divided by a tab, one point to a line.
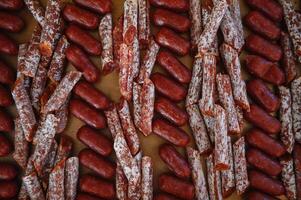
64	148
194	90
206	102
147	178
231	60
198	177
113	121
56	67
144	32
210	125
49	164
8	74
106	37
213	178
24	109
289	61
226	99
8	171
56	188
99	6
178	5
137	104
6	121
21	146
128	127
71	178
296	105
62	114
198	128
286	119
255	195
121	183
10	22
210	28
11	4
221	140
148	61
196	27
33	186
297	162
37	10
7	45
240	166
117	40
5	97
234	9
288	177
62	92
23	195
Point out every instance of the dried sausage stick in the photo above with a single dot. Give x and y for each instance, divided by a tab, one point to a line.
288	177
234	10
137	104
198	176
226	99
196	22
147	178
285	113
49	164
37	10
106	38
62	115
296	107
62	91
64	148
213	178
198	128
240	166
208	86
23	195
231	60
71	177
117	40
21	146
33	186
121	183
209	33
56	188
297	162
143	23
194	90
113	121
24	109
210	125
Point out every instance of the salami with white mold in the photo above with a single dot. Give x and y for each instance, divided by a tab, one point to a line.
144	31
288	177
296	108
147	178
37	10
113	121
33	187
121	183
195	85
196	22
213	178
56	187
137	104
71	177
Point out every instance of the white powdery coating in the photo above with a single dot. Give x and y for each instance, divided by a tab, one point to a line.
195	85
148	61
221	139
196	21
231	60
106	38
71	177
198	176
296	108
234	9
62	91
286	119
113	121
37	10
240	166
56	187
147	178
228	178
208	85
23	195
240	117
44	138
62	115
24	109
210	125
134	184
125	62
213	178
137	104
33	187
20	62
128	127
198	128
57	63
288	177
226	99
143	21
21	146
209	33
121	183
49	161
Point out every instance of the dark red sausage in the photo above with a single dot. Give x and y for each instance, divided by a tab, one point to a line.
265	184
7	45
6	146
80	16
86	113
263	95
267	144
262	119
80	60
170	133
6	121
165	197
171	111
174	67
8	171
176	186
8	189
255	195
97	187
262	25
9	22
5	97
174	160
176	5
177	22
95	140
171	40
270	8
83	196
263	47
97	163
263	162
91	95
83	39
168	87
264	69
99	6
297	162
7	74
11	4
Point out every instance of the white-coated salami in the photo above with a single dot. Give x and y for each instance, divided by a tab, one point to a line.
147	178
62	115
288	177
56	187
113	121
33	187
137	104
210	125
64	148
21	146
213	178
196	21
121	183
71	177
296	108
37	10
143	23
234	9
195	85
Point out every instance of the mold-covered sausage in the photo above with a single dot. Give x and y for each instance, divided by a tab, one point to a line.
8	189
176	5
7	45
99	6
11	4
10	22
8	171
